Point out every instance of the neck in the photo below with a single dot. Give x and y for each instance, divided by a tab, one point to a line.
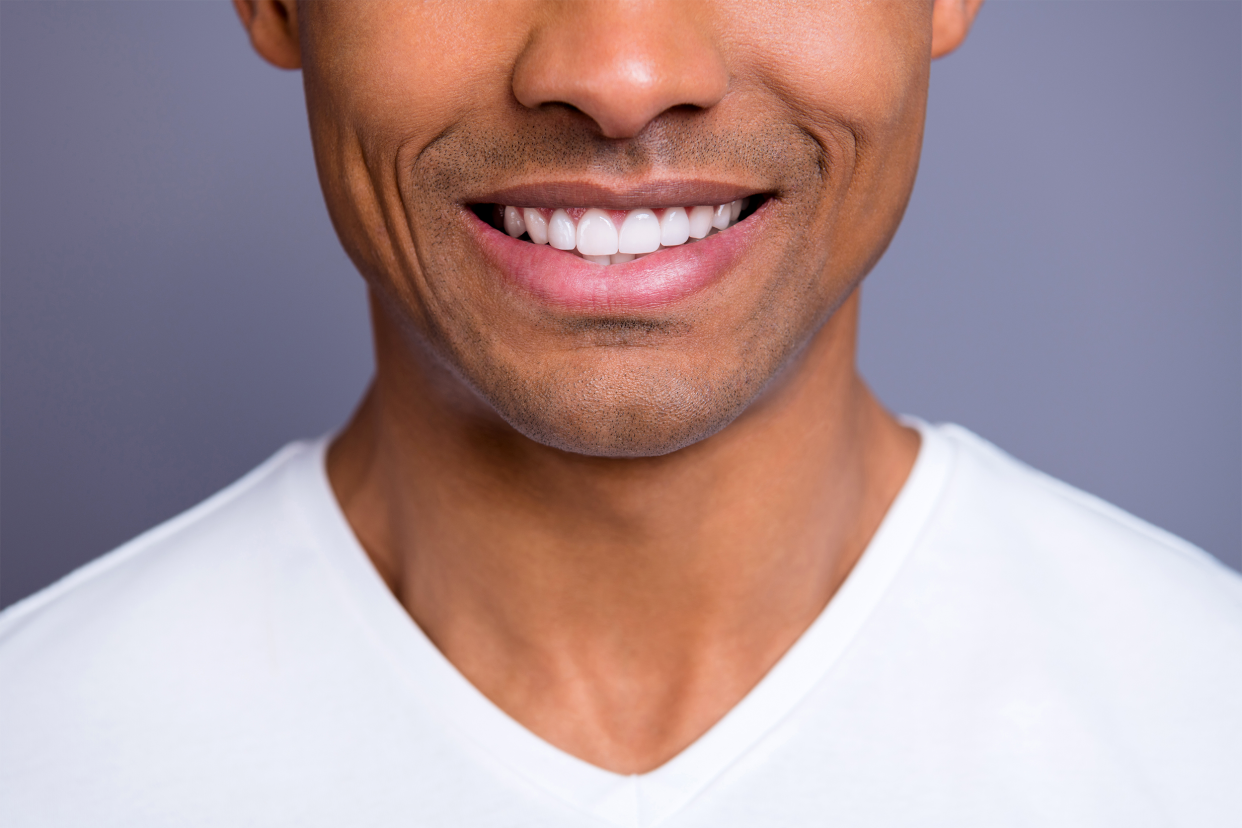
619	607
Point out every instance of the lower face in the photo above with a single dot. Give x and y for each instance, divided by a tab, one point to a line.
616	297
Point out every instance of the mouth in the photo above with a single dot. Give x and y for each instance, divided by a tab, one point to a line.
592	251
610	237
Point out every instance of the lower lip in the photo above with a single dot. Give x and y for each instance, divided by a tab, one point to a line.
560	278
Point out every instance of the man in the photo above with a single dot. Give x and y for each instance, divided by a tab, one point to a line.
618	536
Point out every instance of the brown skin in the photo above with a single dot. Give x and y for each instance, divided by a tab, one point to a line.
614	525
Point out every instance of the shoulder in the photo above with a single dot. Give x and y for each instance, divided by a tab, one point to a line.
204	670
169	601
1088	644
1115	603
217	532
1028	520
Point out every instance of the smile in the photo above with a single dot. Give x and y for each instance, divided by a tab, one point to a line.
656	255
605	237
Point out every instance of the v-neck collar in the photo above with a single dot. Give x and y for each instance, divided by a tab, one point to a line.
621	800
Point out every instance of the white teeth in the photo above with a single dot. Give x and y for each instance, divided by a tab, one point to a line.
561	231
597	235
640	232
674	227
514	225
596	238
700	221
536	224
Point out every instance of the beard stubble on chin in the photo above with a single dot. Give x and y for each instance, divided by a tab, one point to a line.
621	385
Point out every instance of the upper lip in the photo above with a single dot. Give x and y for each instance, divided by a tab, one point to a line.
630	196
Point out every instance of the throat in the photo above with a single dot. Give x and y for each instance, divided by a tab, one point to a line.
618	609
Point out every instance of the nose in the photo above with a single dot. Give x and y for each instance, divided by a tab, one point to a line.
622	62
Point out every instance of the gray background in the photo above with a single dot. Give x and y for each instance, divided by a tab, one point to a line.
174	305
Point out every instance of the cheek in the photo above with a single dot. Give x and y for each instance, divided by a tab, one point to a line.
854	76
861	66
397	75
384	81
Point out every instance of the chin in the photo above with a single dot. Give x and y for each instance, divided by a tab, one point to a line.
627	419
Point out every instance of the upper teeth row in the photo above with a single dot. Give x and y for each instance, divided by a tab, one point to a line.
596	237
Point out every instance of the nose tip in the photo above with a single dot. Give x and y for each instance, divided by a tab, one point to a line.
621	64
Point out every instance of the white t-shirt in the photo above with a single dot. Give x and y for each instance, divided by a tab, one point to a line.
1008	651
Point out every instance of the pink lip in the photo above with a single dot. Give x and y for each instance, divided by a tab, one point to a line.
559	278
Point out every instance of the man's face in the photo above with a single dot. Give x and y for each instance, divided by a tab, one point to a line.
428	118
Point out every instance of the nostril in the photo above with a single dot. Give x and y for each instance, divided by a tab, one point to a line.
554	106
621	65
606	130
568	107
